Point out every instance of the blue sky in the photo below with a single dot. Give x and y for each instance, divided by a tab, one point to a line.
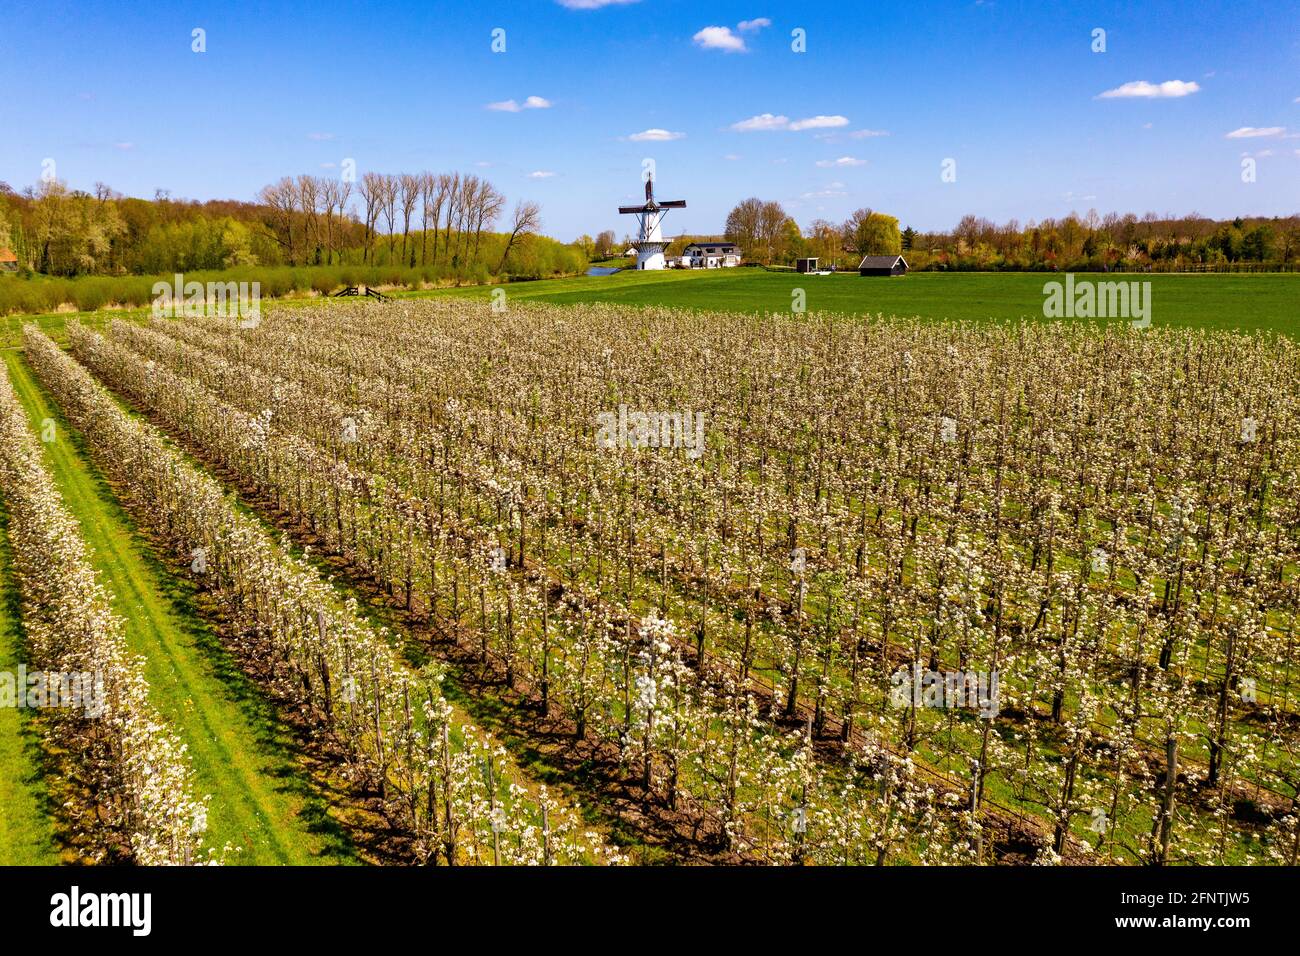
1011	91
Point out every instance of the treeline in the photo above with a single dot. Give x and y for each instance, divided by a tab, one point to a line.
1112	241
768	235
57	231
442	224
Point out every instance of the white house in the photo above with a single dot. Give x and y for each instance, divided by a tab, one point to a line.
710	255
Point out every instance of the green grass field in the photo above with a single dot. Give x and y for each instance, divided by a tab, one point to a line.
1247	303
242	756
1239	302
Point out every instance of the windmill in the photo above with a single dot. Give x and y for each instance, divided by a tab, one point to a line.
650	242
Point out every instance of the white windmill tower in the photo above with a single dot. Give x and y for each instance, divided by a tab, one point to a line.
650	243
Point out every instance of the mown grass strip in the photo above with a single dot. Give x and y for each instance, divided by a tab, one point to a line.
261	801
26	830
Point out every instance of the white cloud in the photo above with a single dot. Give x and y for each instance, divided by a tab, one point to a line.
329	165
1259	153
830	192
510	106
754	25
655	135
819	122
761	122
591	4
541	174
320	137
868	133
719	38
767	121
1254	132
124	146
842	161
732	156
1143	90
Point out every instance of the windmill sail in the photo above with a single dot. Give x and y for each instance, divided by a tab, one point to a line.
650	243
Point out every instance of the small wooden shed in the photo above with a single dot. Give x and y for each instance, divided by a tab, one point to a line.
8	261
882	266
806	265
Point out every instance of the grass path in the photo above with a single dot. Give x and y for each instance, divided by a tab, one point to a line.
261	801
26	832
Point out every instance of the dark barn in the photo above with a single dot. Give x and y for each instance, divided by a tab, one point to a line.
806	265
882	266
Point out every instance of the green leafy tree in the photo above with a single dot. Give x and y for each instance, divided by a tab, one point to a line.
1258	244
870	233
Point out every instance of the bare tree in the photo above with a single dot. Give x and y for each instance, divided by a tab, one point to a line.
742	226
281	201
441	186
756	226
428	190
527	220
488	204
771	220
453	204
335	194
464	216
388	206
371	190
308	195
408	188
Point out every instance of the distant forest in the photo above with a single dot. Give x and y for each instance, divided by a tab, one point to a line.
456	227
1079	243
447	225
1112	241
